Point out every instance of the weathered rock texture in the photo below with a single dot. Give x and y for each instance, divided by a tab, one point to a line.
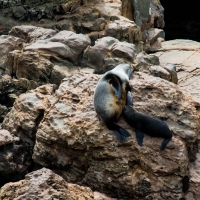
95	18
149	16
54	122
44	184
15	160
10	89
107	53
73	142
184	54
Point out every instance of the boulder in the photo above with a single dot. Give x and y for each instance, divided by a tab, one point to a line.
47	57
10	89
184	55
7	44
15	160
44	184
31	33
73	141
107	53
30	108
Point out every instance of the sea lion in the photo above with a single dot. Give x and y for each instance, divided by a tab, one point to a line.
110	98
146	124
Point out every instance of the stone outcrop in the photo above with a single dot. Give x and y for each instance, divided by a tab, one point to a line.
10	89
107	53
72	140
95	18
15	160
47	85
184	54
42	55
44	184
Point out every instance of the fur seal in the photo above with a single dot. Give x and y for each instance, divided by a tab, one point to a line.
110	98
146	124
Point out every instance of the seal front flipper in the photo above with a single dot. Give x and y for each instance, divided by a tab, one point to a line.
164	143
120	132
129	99
139	137
116	85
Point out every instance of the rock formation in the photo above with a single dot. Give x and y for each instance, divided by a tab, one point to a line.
48	120
44	184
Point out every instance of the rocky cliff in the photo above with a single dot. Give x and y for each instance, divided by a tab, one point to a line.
48	73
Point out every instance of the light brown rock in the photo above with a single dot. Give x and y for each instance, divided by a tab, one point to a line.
15	160
7	44
107	53
71	138
44	184
184	54
5	137
31	33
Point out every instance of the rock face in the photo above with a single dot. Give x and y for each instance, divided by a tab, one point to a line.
44	184
47	85
73	142
184	54
15	160
107	53
95	18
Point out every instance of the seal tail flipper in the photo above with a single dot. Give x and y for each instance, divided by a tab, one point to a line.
164	143
121	133
139	137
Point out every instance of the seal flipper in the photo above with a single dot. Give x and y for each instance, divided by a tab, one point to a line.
139	137
129	99
120	132
116	86
164	143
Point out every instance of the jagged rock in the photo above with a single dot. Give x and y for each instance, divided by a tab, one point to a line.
76	42
3	111
15	160
185	56
44	184
159	71
76	144
5	137
107	53
173	74
32	106
10	89
150	64
154	38
156	14
144	61
194	184
46	50
7	44
31	33
125	30
88	17
149	15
